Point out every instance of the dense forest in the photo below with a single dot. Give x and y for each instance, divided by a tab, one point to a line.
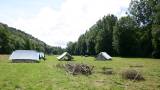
134	35
12	39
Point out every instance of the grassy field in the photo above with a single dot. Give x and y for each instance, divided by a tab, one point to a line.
46	76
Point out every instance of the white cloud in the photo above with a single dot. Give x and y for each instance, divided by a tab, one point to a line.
57	27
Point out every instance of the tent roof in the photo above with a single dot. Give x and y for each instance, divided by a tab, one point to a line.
105	55
25	54
64	54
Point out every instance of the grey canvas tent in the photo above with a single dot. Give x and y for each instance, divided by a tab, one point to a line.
24	56
103	56
65	56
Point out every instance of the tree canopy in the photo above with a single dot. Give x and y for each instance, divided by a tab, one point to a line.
135	35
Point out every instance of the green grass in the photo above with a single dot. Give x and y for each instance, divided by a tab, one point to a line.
45	75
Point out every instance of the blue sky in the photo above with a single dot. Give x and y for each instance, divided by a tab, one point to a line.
13	9
57	22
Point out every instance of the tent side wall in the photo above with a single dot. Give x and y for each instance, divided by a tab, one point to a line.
24	61
99	57
103	56
24	56
66	58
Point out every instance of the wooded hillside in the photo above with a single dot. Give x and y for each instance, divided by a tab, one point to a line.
13	39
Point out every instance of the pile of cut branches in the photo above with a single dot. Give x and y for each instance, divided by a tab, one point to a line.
76	69
132	75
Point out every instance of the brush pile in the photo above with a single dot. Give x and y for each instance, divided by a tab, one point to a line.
132	75
76	69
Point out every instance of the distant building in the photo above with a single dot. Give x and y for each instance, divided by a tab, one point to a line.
27	56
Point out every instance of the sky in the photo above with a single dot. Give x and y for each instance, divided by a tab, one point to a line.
56	22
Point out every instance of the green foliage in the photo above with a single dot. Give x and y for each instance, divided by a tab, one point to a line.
145	42
4	40
104	37
156	14
156	41
124	37
82	45
13	39
156	29
97	39
73	48
134	35
141	10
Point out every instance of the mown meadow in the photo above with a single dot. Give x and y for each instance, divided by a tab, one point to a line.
46	76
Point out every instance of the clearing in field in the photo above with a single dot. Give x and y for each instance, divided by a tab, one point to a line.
46	76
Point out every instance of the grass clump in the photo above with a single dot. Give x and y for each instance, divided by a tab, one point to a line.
138	66
107	71
60	65
132	75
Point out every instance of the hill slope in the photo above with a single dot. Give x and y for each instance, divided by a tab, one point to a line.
13	39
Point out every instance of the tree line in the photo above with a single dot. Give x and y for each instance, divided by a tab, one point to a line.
134	35
12	39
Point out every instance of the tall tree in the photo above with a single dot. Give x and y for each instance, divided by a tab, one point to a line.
124	37
104	37
141	10
4	39
156	41
156	30
82	45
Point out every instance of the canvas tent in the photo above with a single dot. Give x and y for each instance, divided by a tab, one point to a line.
24	56
65	56
41	55
103	56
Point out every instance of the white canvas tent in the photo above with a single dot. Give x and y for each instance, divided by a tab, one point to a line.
24	56
65	56
103	56
41	55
